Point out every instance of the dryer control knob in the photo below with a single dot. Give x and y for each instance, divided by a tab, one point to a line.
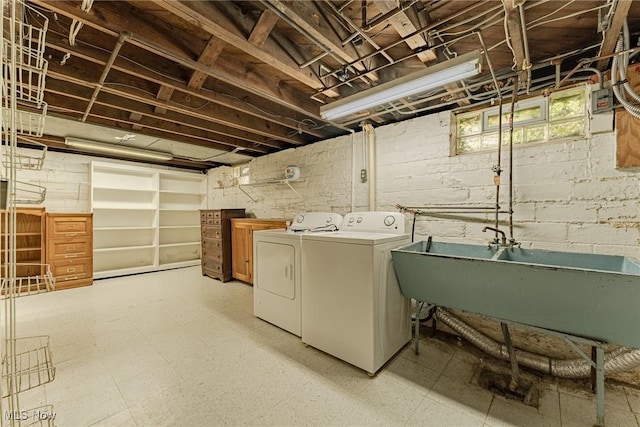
389	220
351	220
359	219
299	218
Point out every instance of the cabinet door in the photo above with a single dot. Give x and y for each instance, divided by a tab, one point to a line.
241	245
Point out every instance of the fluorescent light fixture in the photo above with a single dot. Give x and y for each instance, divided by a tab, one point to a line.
438	75
116	150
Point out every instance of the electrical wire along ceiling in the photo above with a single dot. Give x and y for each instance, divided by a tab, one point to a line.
218	82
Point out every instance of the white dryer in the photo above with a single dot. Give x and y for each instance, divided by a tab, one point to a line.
277	272
353	308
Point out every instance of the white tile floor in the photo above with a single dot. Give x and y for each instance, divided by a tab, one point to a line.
178	349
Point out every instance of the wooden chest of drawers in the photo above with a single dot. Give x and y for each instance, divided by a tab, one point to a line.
216	242
70	248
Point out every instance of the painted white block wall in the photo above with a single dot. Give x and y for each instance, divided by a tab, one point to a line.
567	195
66	178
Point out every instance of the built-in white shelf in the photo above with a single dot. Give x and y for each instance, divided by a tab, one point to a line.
145	219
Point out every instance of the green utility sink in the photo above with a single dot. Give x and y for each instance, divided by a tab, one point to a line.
589	295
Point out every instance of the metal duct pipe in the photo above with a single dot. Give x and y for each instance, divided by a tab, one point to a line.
618	360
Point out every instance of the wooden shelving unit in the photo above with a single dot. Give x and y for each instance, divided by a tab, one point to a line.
30	241
144	219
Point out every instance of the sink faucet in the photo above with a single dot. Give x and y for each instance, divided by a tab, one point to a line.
504	236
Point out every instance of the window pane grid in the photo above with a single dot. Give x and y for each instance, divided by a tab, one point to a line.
566	118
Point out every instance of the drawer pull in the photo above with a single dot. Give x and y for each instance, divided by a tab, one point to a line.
70	248
71	270
71	256
71	234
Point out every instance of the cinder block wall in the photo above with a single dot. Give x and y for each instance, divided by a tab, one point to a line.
567	195
65	177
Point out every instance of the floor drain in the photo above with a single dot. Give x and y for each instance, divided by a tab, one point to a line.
525	390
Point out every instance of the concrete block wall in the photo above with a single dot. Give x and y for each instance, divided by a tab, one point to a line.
65	177
325	183
566	195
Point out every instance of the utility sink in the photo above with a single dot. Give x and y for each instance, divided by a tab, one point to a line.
612	263
590	295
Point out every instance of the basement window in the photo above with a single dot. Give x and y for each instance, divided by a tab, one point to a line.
561	115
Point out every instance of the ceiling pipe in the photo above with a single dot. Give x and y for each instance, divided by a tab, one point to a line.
125	35
326	51
404	39
360	32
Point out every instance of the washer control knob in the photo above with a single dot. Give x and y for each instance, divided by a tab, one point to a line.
359	219
299	218
351	220
389	220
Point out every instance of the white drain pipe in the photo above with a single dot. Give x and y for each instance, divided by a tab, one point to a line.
371	139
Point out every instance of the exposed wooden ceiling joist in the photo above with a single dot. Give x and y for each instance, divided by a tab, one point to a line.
611	35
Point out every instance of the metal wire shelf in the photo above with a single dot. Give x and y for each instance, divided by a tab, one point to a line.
32	160
29	121
30	285
27	84
29	366
30	28
28	194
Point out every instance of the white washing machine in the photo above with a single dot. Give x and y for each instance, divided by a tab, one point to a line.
353	308
277	272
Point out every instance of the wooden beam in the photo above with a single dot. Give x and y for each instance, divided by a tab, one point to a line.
236	112
408	22
301	13
164	94
516	35
117	118
208	56
206	16
263	27
135	117
404	24
234	109
181	116
234	73
613	32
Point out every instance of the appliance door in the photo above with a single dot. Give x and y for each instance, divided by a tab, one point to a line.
277	277
276	268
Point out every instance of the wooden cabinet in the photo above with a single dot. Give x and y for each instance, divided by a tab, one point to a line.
70	248
30	241
215	227
242	243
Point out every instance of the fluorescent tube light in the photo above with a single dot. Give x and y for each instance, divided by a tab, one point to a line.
116	150
437	75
